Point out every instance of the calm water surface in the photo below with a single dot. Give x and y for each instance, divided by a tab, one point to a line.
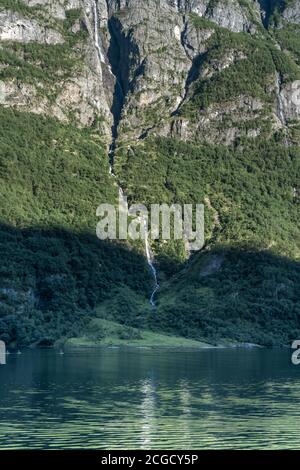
135	399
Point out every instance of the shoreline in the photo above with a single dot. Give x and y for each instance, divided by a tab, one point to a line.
76	343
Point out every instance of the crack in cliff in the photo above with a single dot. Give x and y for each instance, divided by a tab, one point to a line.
268	8
120	91
194	71
124	59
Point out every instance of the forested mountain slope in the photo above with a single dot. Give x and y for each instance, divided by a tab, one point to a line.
190	101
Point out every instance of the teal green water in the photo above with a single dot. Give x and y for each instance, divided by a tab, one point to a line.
148	399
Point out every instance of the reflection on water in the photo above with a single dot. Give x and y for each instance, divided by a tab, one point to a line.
2	353
131	399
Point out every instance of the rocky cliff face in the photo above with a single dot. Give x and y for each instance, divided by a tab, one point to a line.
152	66
201	70
291	12
50	64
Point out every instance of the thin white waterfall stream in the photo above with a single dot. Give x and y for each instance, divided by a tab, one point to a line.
144	223
143	220
96	32
149	255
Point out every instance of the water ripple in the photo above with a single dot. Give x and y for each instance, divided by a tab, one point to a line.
141	400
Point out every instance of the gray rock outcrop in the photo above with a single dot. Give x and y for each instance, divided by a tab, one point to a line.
140	63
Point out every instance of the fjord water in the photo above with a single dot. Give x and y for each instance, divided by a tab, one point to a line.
140	398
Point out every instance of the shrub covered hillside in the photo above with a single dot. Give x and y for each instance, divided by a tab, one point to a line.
233	295
190	102
54	271
245	284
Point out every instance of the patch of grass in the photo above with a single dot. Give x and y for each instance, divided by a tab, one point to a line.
73	16
201	23
106	333
248	76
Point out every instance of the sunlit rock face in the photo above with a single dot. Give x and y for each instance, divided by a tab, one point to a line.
14	27
138	66
233	14
290	96
84	92
157	44
292	12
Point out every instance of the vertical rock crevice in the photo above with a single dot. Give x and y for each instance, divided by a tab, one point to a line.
268	8
119	69
122	54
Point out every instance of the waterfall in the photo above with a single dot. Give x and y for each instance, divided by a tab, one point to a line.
121	192
149	255
2	353
96	32
144	223
111	171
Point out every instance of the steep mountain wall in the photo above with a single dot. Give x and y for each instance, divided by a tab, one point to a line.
190	69
50	64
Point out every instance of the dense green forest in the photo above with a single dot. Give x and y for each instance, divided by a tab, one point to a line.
51	174
53	269
56	277
250	187
233	294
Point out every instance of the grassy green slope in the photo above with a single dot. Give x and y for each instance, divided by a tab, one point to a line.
107	333
55	275
253	219
249	289
53	270
250	187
